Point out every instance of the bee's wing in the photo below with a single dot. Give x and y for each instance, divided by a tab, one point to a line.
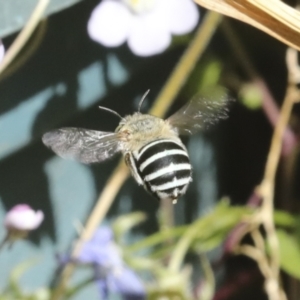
84	145
201	112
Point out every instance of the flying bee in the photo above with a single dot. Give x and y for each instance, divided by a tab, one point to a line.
151	146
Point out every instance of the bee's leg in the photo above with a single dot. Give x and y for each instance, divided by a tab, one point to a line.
132	166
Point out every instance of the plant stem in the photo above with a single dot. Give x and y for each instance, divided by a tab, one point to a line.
24	35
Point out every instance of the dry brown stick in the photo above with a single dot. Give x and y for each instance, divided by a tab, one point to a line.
160	107
273	16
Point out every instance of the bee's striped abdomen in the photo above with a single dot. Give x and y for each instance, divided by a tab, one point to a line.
165	168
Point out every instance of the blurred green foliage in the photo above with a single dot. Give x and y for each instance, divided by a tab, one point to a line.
162	255
251	96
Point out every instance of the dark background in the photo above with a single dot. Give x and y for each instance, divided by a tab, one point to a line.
65	66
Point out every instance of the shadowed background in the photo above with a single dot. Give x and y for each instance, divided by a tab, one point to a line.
62	84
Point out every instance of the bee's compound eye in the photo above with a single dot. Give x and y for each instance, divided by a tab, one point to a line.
125	135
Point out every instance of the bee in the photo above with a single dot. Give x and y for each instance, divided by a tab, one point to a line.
151	146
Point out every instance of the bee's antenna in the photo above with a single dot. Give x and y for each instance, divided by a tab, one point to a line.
110	110
142	100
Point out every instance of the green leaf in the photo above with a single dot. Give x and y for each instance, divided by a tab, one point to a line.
124	223
211	243
157	238
222	219
251	96
168	294
205	76
289	253
211	229
16	274
75	289
174	285
162	253
211	75
142	263
41	294
284	219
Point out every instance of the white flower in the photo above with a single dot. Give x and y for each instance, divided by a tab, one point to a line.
2	51
147	25
23	218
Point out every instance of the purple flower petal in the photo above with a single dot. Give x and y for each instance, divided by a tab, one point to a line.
125	282
62	259
103	288
103	235
103	255
110	272
101	249
110	23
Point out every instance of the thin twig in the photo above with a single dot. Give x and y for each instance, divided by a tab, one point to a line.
24	35
166	215
267	186
27	52
258	239
269	262
160	107
256	255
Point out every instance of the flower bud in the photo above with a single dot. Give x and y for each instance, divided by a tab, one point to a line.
21	219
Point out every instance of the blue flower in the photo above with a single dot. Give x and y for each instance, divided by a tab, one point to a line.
111	273
101	250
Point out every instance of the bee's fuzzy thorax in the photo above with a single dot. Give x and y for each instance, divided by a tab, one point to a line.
142	128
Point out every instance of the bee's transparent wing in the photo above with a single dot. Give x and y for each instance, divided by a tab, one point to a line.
201	112
87	146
